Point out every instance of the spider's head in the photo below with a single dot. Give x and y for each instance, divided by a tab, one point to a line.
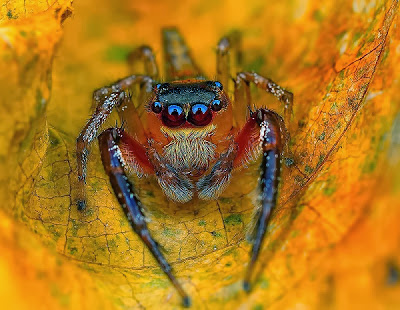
187	103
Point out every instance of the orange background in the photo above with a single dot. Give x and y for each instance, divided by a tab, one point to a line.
333	242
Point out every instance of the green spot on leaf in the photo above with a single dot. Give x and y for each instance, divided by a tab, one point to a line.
340	35
158	283
356	36
318	16
150	194
63	298
169	232
256	64
117	53
233	219
329	191
294	233
54	141
122	222
308	169
216	234
10	15
289	161
112	243
320	160
258	307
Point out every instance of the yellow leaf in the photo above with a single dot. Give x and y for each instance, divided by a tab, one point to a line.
333	239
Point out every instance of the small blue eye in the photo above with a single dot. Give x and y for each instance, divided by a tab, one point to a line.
199	108
158	86
218	84
216	105
156	106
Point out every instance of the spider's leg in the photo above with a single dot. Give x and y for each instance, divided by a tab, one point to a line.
244	78
228	47
145	55
143	60
242	102
179	63
270	142
243	97
124	191
105	99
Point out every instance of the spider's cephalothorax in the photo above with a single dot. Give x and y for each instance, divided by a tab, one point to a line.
188	104
192	137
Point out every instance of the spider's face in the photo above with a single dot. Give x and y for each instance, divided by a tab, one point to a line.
187	103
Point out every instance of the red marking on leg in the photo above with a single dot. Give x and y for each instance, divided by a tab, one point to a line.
133	151
247	142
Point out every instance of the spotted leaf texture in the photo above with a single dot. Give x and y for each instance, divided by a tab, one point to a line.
333	242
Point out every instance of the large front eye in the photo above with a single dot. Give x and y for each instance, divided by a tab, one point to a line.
200	115
173	116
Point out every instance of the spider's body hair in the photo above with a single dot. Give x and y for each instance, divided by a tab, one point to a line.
189	150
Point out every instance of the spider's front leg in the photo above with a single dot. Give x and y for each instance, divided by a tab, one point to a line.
264	130
243	79
110	141
106	99
269	129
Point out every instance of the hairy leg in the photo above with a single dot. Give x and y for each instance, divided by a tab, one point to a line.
243	99
144	56
179	63
265	132
269	131
243	80
105	99
228	48
140	60
114	166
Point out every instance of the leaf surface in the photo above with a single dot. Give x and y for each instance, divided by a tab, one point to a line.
333	240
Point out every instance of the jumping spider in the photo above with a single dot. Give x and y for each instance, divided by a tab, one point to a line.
191	136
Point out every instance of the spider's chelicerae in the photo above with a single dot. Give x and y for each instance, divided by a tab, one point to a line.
192	136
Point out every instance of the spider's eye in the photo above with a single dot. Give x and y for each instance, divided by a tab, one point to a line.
173	116
216	105
156	106
200	115
218	84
